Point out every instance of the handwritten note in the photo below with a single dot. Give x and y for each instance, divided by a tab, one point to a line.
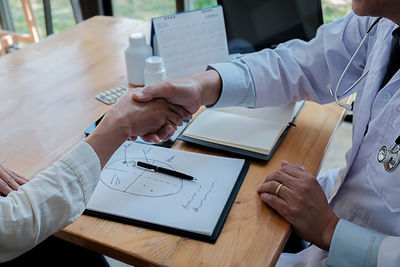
129	191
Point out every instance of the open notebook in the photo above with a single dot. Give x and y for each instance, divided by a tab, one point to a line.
251	132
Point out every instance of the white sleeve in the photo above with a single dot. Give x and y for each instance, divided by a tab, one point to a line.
389	252
295	70
53	199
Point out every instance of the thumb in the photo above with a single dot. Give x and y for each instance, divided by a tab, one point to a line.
150	92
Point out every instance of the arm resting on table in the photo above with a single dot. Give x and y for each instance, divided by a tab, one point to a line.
53	199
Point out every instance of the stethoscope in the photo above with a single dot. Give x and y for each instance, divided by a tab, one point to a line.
390	157
336	93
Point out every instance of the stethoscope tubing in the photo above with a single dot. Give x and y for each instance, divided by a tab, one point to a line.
335	94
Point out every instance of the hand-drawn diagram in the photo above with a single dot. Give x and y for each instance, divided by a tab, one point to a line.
123	175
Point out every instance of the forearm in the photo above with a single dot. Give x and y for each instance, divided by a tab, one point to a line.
53	199
106	138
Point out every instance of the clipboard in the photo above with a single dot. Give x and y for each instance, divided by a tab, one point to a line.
213	199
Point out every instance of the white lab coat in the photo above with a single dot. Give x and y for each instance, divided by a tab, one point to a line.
365	194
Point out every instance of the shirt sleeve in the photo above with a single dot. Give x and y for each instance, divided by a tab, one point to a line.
53	199
353	245
389	252
295	70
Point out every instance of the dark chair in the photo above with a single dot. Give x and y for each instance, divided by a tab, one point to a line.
253	25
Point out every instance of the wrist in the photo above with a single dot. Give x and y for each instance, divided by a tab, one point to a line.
106	138
210	87
327	233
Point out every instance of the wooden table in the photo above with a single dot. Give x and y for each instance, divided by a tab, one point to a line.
47	92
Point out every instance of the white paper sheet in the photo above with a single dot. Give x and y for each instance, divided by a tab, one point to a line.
132	192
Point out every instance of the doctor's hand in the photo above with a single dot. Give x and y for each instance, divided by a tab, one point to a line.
297	196
10	181
190	92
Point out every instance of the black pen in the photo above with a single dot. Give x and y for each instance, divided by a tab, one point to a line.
164	170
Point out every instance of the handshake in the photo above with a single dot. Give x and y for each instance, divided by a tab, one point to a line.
154	112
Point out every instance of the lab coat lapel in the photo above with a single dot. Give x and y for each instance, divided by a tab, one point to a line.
379	56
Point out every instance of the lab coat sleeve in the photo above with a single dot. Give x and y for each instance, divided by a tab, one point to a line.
353	245
53	199
296	70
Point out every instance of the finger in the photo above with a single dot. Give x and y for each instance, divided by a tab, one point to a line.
151	138
285	163
282	178
175	118
133	138
8	179
4	188
272	188
180	110
268	187
12	173
19	181
274	202
165	132
295	172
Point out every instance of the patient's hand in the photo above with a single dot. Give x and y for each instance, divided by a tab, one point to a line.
127	119
155	116
10	181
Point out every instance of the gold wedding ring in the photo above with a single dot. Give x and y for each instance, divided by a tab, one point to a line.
278	189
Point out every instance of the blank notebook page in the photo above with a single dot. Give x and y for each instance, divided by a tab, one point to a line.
251	129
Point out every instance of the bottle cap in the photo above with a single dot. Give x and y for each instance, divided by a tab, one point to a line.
137	39
154	64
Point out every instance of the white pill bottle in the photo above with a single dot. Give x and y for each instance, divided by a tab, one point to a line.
135	55
154	70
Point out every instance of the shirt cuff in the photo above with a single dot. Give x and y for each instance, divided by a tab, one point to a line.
353	245
234	85
84	162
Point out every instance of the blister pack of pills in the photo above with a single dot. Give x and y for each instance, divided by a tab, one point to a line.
111	96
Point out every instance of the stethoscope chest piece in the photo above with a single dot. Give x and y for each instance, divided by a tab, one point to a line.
390	157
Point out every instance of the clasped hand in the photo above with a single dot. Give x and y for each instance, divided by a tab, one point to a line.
302	202
10	180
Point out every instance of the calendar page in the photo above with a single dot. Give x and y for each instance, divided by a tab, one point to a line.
189	41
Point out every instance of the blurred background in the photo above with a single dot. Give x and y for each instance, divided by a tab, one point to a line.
63	15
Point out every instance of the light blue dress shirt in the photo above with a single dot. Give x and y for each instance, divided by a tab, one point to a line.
363	195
